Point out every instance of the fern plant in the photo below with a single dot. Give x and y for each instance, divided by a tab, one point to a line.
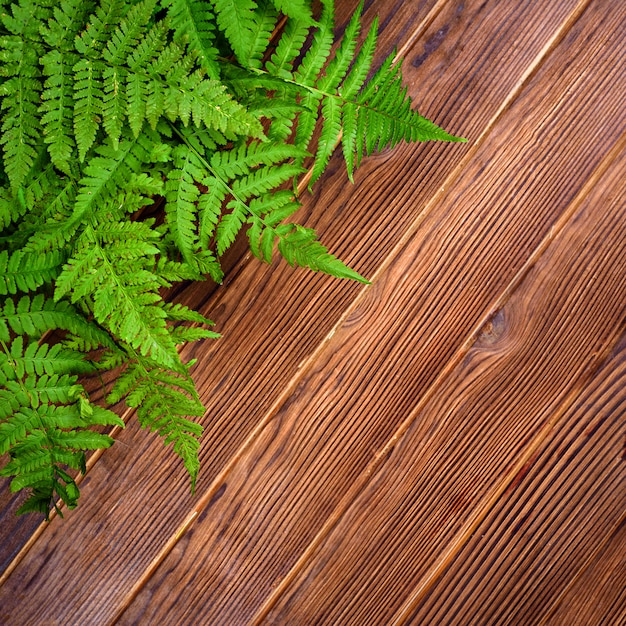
205	109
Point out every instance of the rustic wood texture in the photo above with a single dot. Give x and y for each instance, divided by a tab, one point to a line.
598	596
473	438
357	437
550	523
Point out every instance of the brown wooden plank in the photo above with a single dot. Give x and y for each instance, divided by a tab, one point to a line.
598	596
292	477
156	479
476	434
549	523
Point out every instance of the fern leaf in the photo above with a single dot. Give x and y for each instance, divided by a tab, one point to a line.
11	207
348	137
362	64
149	48
264	179
182	194
113	103
87	103
265	22
68	18
102	175
57	107
331	111
34	317
101	24
318	54
123	290
299	246
230	164
130	31
210	209
164	401
21	131
40	359
193	24
236	19
23	271
288	48
338	67
181	313
295	9
230	224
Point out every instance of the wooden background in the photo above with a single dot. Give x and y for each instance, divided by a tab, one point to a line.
445	446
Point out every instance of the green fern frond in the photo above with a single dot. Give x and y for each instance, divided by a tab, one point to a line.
182	195
164	401
57	107
100	183
12	207
337	68
113	103
264	24
299	246
114	275
193	24
295	9
236	19
87	103
68	19
45	420
129	33
288	48
264	179
21	94
101	25
40	359
24	271
317	55
230	225
331	131
37	315
231	164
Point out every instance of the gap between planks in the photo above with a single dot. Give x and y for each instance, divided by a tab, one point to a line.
484	507
307	364
126	415
581	572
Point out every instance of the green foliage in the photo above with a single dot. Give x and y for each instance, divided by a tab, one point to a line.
200	110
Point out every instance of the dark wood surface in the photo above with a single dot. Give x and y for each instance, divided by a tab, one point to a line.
445	446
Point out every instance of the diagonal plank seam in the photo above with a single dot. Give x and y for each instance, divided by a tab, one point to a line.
470	526
583	568
483	508
308	363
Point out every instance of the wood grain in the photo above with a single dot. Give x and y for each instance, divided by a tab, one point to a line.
552	520
475	435
279	494
598	596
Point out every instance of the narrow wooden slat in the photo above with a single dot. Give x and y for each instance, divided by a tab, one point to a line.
476	434
277	497
598	597
552	519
